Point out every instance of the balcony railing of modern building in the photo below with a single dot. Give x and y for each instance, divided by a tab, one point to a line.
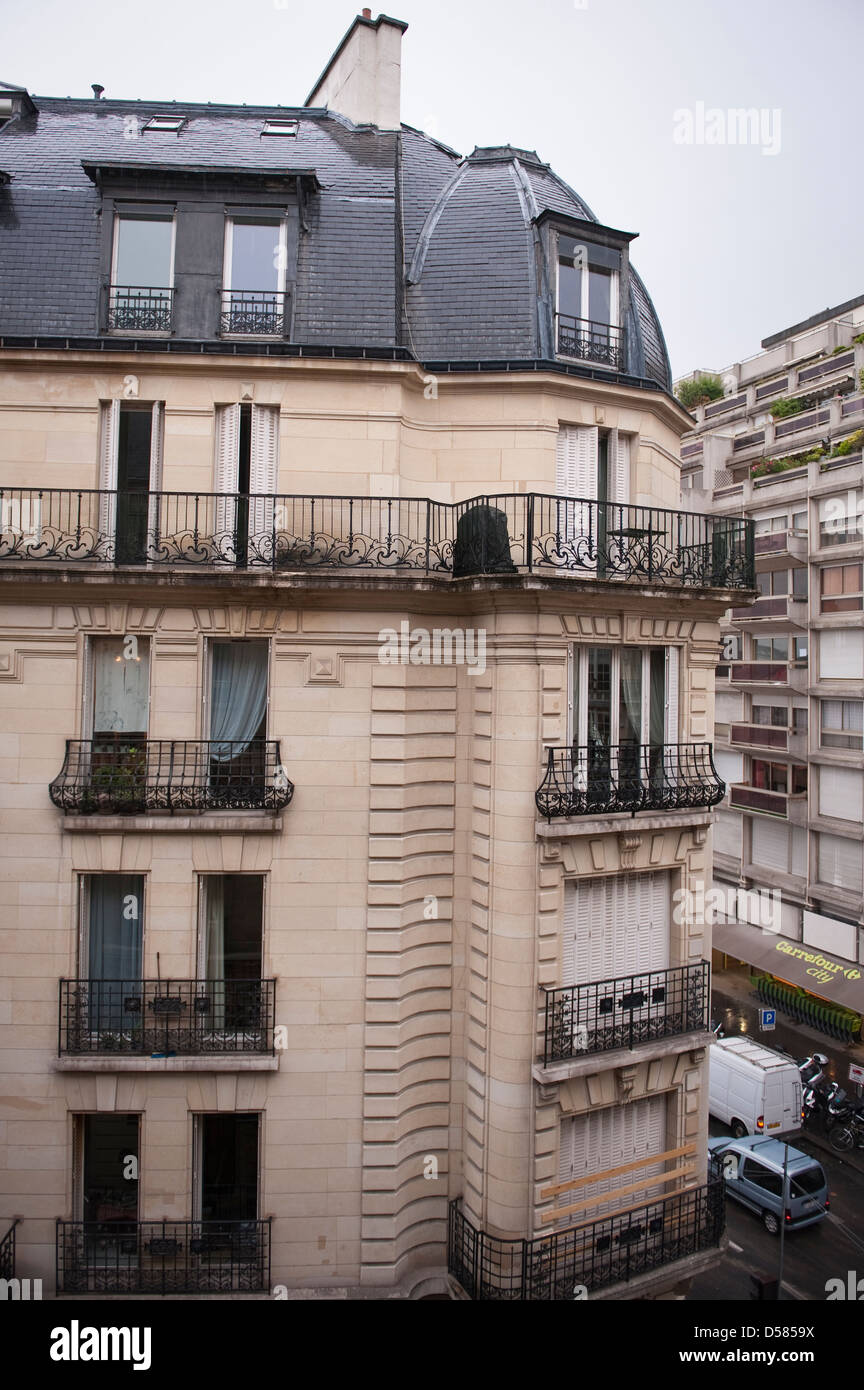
595	780
589	340
791	806
777	546
121	1256
597	1254
7	1253
606	1015
780	611
187	1018
170	775
788	673
508	533
139	309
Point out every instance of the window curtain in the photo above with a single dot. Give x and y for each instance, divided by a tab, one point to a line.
631	696
114	948
239	697
120	687
214	944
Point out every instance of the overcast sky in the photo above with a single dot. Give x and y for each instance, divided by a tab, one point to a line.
734	244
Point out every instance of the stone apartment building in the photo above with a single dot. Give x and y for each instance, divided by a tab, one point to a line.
783	446
357	664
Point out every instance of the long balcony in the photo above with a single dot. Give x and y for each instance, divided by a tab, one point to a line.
139	309
759	736
163	1257
177	775
509	533
790	806
781	612
593	780
183	1018
606	1015
597	1254
591	341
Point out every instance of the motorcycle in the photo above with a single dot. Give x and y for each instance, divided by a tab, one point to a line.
812	1068
826	1102
849	1133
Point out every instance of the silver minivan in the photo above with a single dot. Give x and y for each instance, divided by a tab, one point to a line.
753	1170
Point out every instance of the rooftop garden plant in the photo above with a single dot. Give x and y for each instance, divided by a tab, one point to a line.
700	391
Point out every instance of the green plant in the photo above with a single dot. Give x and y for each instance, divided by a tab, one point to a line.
120	782
850	445
861	378
859	338
790	405
700	391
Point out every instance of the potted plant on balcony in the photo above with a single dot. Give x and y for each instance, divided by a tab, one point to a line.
118	784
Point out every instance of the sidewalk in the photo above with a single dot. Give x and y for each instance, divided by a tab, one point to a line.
735	1003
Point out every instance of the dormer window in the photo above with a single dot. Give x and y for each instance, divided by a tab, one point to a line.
168	124
588	317
253	295
140	295
279	128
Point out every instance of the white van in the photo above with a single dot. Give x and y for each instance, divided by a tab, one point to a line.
753	1089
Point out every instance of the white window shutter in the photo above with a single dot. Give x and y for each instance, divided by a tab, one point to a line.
263	475
840	793
226	479
109	434
618	486
840	862
156	510
576	477
769	844
672	719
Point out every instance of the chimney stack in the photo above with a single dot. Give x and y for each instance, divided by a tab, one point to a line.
363	78
97	90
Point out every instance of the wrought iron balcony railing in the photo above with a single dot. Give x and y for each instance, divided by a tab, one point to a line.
591	341
139	309
605	1015
507	533
596	1255
175	775
7	1253
595	780
186	1018
253	313
163	1257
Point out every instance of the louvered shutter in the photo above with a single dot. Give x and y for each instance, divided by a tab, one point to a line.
576	477
226	480
729	765
673	760
727	834
156	510
769	843
615	926
263	473
611	1138
109	434
840	862
618	483
841	655
840	793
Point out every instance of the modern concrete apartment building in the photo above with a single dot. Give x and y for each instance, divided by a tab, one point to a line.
357	661
784	447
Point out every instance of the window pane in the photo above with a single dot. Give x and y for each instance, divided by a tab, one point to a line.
121	686
599	296
255	256
569	289
781	582
599	695
799	583
143	253
832	581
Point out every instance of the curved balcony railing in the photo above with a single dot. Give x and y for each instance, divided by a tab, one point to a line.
605	1015
595	1255
186	1018
163	1257
595	780
508	533
179	775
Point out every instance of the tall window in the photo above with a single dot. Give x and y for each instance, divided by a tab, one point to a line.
110	950
247	464
106	1185
842	723
142	274
253	301
230	944
841	589
130	480
238	720
227	1168
770	649
588	310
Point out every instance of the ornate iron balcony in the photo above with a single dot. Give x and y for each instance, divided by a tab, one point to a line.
139	309
189	1018
163	1257
597	1254
591	341
605	1015
253	313
595	780
180	775
7	1253
501	534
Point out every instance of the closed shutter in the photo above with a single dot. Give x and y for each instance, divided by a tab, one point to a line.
727	834
609	1138
109	434
576	477
841	655
840	862
155	511
263	473
770	844
730	766
618	488
840	793
672	728
728	706
226	479
616	926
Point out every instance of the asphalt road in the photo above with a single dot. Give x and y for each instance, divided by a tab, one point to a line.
827	1250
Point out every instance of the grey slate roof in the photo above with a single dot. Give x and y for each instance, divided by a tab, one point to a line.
461	228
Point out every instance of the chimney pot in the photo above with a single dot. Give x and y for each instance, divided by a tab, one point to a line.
98	89
367	14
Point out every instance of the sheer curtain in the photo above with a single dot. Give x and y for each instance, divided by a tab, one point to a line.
630	718
114	947
239	697
214	944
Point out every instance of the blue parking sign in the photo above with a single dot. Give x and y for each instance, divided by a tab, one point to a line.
767	1019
